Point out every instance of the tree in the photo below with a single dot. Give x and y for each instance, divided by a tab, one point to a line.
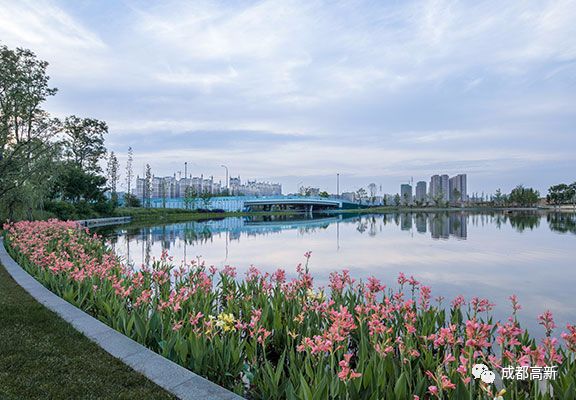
498	197
324	194
129	171
77	185
561	194
163	192
524	196
206	199
84	142
26	149
113	177
397	200
131	201
372	190
148	187
360	195
456	195
189	197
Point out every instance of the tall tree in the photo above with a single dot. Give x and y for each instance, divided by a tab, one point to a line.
129	171
26	149
112	176
148	186
372	189
84	142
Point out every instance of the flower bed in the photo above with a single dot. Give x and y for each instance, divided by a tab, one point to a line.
265	337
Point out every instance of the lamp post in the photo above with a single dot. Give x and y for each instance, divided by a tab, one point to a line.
298	187
227	186
338	185
185	169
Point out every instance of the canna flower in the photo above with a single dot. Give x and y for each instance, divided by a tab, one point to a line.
346	373
547	321
226	322
570	337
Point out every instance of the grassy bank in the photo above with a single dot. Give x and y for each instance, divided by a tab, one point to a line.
394	209
176	215
44	357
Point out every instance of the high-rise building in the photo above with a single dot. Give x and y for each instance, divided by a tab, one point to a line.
420	196
457	188
439	188
405	194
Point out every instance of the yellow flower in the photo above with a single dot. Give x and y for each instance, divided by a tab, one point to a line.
226	322
315	296
292	334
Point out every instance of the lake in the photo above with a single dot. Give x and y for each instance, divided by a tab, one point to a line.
490	255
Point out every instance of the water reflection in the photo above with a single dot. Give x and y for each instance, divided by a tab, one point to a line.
490	255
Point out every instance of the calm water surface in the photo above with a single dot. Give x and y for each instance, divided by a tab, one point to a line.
486	255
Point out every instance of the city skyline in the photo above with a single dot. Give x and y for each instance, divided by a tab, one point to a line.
260	88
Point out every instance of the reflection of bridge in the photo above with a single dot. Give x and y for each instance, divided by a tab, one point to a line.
308	204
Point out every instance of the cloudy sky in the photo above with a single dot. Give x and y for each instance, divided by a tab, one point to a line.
297	91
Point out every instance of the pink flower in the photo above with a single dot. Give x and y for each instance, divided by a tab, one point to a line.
433	390
458	302
547	321
570	337
346	373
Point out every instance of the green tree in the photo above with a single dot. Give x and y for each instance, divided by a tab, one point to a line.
523	196
129	171
113	177
131	200
147	192
26	130
360	195
324	194
189	197
84	142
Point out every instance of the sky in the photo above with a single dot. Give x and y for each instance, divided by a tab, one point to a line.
296	91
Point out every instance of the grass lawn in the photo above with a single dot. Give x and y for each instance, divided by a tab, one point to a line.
44	357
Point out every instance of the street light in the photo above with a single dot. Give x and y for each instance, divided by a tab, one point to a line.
298	186
338	185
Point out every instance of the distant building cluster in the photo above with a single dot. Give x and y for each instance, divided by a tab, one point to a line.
172	188
441	190
254	188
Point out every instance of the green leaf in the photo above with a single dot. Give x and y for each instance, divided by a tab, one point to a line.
401	387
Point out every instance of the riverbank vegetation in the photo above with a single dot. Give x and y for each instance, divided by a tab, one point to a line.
269	337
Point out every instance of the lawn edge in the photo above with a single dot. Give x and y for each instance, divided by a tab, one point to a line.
172	377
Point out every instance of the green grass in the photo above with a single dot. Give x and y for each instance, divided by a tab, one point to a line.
177	215
44	357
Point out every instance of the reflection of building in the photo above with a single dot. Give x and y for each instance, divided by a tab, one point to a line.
458	225
420	221
420	196
405	221
406	194
439	226
442	226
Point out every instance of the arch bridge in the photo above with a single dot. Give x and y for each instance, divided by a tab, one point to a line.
300	203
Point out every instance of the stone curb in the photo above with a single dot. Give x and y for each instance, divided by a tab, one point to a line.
177	380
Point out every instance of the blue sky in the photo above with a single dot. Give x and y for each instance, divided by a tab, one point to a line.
296	91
